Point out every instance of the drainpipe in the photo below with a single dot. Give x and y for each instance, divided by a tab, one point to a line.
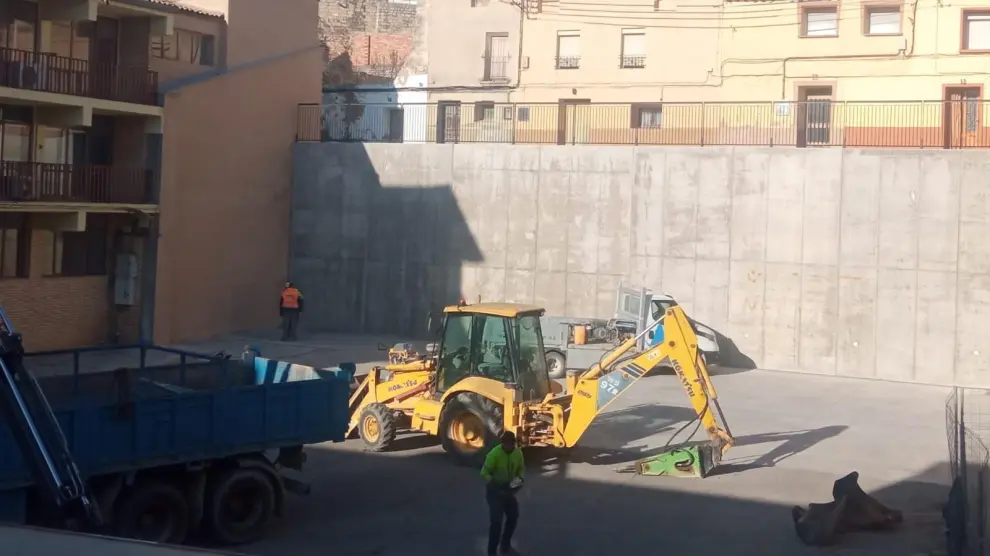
519	57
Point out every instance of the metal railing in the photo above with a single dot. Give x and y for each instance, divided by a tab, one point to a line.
70	183
568	62
966	512
921	124
632	61
38	71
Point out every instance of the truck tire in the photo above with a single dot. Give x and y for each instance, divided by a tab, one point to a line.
470	426
377	427
152	511
239	504
556	364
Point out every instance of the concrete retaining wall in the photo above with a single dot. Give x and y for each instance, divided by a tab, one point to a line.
849	262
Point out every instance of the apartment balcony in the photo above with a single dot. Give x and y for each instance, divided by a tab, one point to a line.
48	73
40	182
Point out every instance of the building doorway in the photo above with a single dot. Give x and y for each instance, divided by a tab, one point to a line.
961	119
814	115
567	119
448	121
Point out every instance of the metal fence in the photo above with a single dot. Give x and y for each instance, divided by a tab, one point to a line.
922	124
968	431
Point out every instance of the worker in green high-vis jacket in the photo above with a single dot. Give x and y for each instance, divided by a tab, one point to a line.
503	473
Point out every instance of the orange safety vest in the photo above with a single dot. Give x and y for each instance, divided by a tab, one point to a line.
290	298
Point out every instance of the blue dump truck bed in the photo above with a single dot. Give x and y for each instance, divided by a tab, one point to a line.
191	407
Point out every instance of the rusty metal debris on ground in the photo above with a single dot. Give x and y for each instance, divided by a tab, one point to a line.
850	510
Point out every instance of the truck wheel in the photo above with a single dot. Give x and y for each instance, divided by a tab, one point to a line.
153	511
470	426
377	427
239	504
556	364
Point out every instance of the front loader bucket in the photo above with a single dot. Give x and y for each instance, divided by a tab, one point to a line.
850	510
685	461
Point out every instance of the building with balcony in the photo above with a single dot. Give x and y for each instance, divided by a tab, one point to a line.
793	68
474	69
143	143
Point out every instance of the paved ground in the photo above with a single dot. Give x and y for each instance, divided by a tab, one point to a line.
796	435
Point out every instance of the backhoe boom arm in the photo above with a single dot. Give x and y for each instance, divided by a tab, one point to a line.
602	384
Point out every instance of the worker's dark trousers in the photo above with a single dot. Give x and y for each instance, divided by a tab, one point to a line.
290	322
500	504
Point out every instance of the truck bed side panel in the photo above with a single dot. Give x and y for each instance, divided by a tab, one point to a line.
307	407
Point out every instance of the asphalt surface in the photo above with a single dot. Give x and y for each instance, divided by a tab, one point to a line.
795	435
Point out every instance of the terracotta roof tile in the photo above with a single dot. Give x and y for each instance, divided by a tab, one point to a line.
185	6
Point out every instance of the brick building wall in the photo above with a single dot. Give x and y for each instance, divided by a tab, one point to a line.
60	312
372	40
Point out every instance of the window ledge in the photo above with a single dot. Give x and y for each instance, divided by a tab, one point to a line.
967	51
818	36
883	34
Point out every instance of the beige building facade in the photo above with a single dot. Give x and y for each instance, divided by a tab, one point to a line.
139	141
473	71
883	68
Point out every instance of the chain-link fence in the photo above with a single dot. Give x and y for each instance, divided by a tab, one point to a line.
967	418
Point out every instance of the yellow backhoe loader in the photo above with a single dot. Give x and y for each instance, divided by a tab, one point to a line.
488	374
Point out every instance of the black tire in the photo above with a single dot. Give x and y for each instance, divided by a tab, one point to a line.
153	511
556	364
382	419
229	495
490	414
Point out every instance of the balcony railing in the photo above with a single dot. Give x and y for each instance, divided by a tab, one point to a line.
817	123
496	68
568	62
71	183
632	61
37	71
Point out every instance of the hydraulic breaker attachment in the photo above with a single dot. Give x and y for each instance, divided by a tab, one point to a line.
686	461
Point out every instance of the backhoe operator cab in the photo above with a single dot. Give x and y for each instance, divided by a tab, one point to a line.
489	354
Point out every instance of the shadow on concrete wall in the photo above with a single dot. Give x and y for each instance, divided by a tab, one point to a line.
730	356
374	258
420	504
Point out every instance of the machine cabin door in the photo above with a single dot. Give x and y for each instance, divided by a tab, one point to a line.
532	377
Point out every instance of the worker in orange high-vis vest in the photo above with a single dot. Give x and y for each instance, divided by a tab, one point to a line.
290	304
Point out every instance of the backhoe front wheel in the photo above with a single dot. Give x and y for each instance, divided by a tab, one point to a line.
377	427
470	426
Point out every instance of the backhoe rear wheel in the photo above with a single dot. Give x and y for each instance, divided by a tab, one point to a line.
377	427
470	426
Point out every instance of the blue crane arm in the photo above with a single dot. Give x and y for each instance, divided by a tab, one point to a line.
38	434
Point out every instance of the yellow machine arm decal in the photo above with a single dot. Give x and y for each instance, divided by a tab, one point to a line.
603	383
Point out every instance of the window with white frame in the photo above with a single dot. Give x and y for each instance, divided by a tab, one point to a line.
976	31
820	22
568	50
882	20
633	48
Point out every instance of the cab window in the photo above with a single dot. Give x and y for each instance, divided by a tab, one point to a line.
474	345
492	356
455	350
